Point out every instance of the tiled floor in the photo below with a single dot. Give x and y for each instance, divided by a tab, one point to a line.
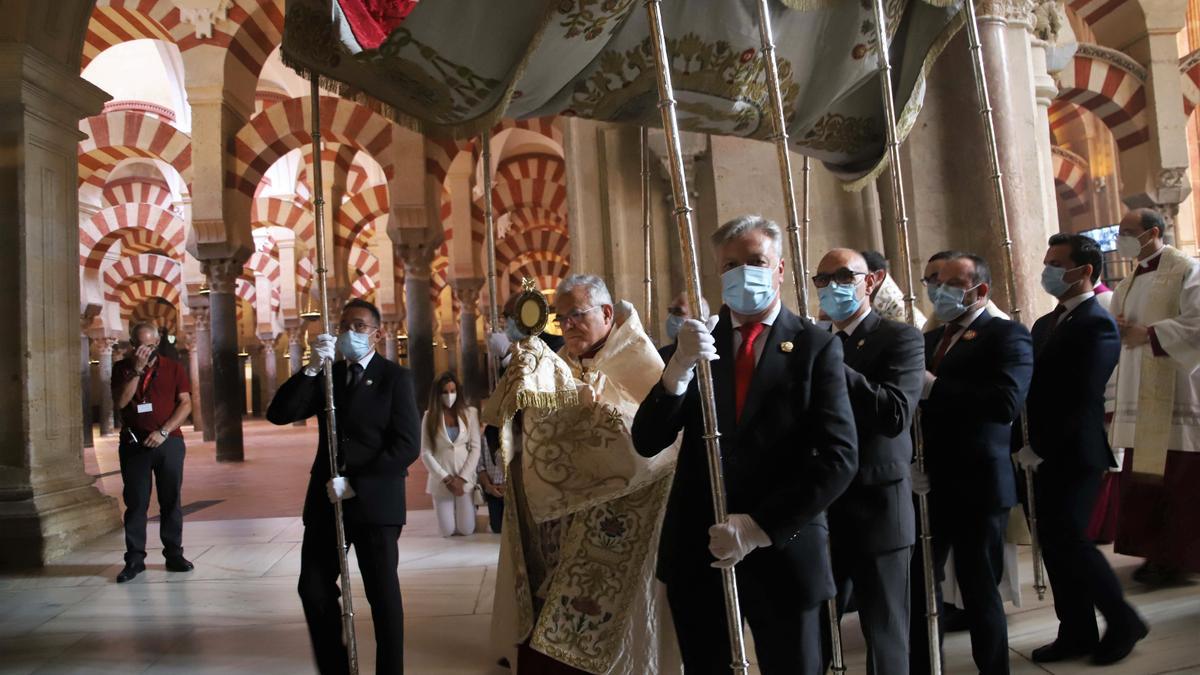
238	611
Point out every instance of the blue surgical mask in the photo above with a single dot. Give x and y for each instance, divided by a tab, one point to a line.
674	323
354	346
839	301
512	331
1053	282
748	289
931	291
948	302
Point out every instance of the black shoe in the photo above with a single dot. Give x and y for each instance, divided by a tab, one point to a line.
179	564
130	571
1060	651
1157	576
1117	644
954	620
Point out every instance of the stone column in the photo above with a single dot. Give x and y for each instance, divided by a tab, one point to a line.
389	339
296	355
1050	53
417	259
257	360
104	353
472	375
228	382
48	503
193	349
200	315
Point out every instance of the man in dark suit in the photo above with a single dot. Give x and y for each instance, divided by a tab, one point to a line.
871	526
977	374
1076	348
788	450
378	438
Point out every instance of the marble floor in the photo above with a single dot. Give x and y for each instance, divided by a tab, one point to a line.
238	611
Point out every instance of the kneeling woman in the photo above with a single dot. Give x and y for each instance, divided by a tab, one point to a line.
450	450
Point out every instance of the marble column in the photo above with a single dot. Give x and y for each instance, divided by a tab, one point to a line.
204	361
389	339
193	349
48	503
257	361
104	354
228	381
417	259
296	356
472	375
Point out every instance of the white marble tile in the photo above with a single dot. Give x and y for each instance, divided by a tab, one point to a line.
30	653
23	611
234	561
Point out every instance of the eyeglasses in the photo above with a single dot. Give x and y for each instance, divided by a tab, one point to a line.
568	320
930	280
358	327
843	276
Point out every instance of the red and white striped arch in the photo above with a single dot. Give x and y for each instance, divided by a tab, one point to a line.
305	270
359	213
150	310
283	127
439	153
1062	113
137	190
117	21
543	266
1112	86
132	224
439	275
1189	72
143	265
367	266
143	292
123	135
517	244
261	262
1070	180
288	214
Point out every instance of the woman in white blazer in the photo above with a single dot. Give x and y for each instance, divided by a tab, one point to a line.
450	450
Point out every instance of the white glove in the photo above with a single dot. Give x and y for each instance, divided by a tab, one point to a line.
498	344
339	489
920	480
731	541
694	342
322	349
1028	459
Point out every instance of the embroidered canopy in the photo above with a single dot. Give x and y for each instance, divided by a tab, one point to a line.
455	67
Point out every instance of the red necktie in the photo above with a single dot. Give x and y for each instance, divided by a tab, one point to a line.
743	367
952	329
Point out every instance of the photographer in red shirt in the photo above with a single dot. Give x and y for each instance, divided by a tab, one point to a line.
153	394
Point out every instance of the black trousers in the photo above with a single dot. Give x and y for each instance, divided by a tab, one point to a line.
787	638
977	538
320	568
1080	577
140	468
495	507
879	586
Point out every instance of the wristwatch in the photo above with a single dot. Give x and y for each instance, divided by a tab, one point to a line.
163	433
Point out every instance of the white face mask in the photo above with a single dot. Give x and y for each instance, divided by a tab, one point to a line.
1129	246
449	399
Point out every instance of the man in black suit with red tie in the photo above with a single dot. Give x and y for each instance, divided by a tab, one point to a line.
378	438
871	525
977	375
1076	348
788	450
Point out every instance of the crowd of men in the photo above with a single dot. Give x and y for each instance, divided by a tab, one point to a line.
612	559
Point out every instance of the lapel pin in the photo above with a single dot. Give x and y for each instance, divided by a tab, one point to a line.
970	335
861	343
786	347
369	382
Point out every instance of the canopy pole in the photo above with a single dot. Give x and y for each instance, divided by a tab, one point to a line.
900	211
489	234
799	243
647	254
780	137
1010	275
687	237
331	435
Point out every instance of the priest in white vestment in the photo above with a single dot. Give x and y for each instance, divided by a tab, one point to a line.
575	586
1157	416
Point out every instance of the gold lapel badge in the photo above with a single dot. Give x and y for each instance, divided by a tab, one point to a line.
369	383
786	347
970	335
862	342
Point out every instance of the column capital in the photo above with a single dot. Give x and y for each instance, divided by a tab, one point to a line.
268	343
200	317
417	258
104	345
222	274
467	292
296	335
1021	12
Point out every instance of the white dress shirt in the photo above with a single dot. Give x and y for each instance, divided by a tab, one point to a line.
850	327
362	362
1071	303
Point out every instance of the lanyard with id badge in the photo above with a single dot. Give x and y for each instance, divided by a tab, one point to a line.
143	406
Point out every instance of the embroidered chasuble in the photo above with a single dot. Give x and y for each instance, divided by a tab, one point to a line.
583	510
1158	397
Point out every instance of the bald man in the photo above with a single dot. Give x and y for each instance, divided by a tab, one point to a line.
871	525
